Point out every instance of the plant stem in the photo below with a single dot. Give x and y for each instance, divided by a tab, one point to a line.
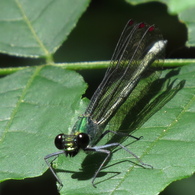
168	63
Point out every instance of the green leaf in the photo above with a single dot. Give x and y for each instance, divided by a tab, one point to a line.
36	105
37	28
174	7
186	16
167	144
39	103
185	11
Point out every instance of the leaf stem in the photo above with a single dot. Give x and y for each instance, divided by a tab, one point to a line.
168	63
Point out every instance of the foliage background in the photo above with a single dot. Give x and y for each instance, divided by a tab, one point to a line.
93	39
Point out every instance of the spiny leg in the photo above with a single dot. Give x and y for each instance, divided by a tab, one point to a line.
46	158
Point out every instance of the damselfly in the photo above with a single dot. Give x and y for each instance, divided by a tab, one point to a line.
139	46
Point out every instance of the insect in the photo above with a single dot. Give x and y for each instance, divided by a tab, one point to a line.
138	47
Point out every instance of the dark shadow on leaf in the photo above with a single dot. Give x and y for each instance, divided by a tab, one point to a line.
91	163
148	105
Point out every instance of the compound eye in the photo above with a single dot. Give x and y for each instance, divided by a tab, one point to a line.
82	140
59	141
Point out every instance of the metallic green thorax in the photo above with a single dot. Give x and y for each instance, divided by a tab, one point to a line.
80	126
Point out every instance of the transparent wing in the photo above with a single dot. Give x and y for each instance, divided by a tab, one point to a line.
138	47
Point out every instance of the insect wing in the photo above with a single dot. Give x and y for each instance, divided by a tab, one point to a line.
139	46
